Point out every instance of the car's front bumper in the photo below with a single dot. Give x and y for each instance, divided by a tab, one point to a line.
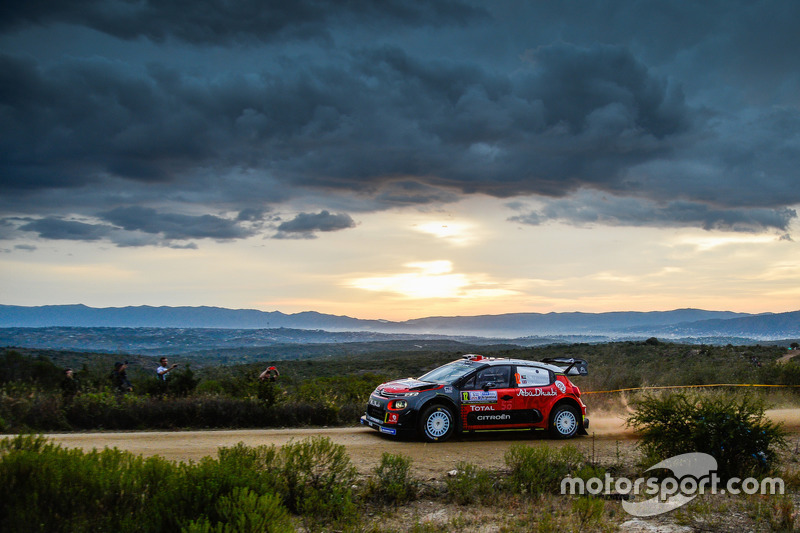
379	425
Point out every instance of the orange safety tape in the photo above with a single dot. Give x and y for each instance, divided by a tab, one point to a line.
686	387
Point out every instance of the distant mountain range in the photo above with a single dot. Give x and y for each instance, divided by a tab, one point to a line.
679	324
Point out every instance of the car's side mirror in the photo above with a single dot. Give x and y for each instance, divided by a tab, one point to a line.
489	385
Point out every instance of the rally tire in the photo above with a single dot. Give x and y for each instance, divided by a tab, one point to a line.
437	423
565	421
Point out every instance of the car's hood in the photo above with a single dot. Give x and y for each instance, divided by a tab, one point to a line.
406	385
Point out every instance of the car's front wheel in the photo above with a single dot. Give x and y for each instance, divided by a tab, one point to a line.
564	422
436	423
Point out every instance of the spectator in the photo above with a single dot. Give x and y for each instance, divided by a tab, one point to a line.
270	374
69	385
119	378
164	368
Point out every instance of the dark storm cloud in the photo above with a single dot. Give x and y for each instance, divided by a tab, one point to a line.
135	226
72	230
223	21
71	124
593	209
305	225
555	100
175	226
544	130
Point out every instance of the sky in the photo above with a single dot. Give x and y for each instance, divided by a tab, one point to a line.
395	160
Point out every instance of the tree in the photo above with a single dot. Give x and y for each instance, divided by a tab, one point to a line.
182	382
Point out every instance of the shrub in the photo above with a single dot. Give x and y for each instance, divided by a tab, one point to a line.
733	429
49	488
470	484
393	482
245	511
587	512
540	469
319	477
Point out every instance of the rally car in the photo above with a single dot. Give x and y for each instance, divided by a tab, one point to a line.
478	393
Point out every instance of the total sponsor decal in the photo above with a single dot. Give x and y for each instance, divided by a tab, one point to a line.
482	408
536	392
479	396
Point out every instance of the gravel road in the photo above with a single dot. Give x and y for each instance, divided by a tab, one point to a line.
608	440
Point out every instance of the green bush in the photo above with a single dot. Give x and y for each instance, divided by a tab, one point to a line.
733	429
319	479
51	489
539	469
470	485
393	482
48	488
245	511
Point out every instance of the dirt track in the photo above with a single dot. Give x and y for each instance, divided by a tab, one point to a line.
608	440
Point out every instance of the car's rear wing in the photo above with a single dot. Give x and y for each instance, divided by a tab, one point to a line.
569	365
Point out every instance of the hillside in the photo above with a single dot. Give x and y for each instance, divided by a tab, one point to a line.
158	328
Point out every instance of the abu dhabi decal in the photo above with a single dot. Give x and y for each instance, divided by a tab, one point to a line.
536	392
479	396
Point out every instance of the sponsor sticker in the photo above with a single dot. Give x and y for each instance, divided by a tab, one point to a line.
374	403
533	393
499	417
391	418
390	431
479	396
516	417
560	386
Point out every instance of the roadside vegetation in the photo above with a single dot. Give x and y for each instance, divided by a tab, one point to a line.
312	485
331	391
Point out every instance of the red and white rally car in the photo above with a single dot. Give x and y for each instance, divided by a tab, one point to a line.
477	393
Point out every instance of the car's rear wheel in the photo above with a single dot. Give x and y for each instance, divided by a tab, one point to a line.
564	422
436	423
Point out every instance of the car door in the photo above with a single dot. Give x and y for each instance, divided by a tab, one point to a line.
534	393
487	399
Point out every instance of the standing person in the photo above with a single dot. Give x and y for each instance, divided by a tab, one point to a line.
119	378
164	369
270	374
69	385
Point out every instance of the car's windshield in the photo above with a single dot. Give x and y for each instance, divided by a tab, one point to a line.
449	373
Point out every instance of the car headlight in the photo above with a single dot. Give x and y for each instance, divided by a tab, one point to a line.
399	404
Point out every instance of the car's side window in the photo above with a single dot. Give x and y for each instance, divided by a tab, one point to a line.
531	376
496	377
470	383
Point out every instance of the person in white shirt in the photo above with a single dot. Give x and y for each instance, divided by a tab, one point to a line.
164	369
